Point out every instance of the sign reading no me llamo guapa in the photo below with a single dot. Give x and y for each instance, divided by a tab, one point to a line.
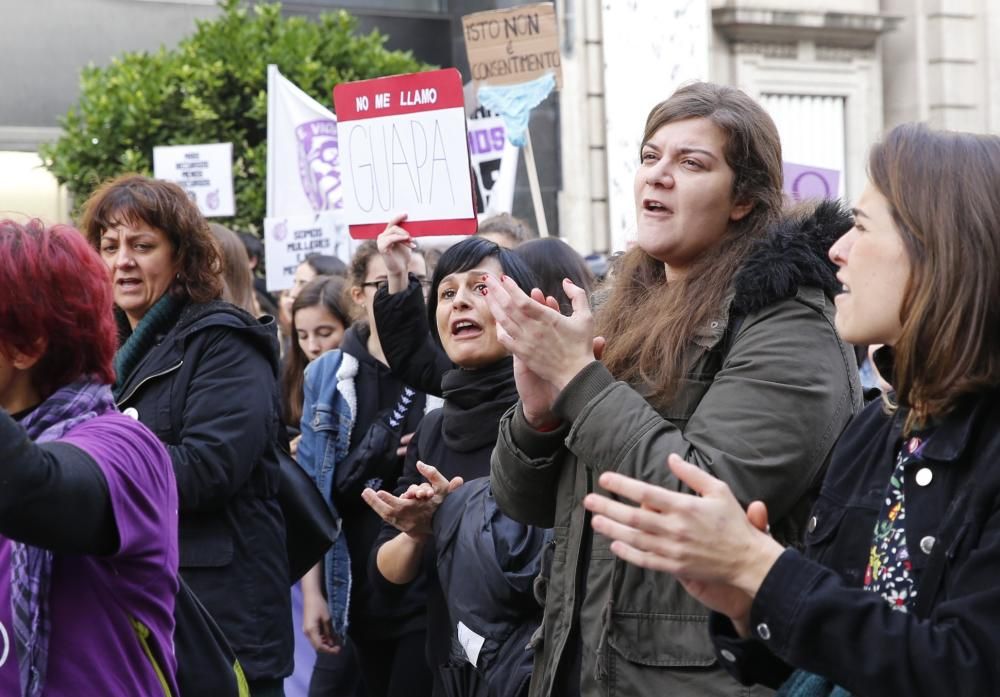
403	149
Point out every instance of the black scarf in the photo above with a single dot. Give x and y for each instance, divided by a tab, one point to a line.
474	401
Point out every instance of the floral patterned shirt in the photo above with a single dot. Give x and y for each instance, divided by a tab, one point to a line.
889	565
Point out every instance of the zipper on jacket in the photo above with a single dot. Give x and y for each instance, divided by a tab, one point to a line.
147	379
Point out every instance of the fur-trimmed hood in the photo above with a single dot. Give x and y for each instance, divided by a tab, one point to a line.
794	253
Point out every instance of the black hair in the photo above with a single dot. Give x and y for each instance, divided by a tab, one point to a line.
465	256
254	247
552	260
327	265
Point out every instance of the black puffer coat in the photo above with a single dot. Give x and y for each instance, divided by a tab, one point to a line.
207	389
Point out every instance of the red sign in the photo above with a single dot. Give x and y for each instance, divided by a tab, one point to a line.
404	149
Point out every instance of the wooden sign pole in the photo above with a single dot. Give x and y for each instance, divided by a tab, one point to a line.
536	190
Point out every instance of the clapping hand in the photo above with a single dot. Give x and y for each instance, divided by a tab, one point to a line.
413	511
719	552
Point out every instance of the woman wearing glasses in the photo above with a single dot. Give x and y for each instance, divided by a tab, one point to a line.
356	422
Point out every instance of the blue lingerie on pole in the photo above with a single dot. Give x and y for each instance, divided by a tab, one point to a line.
515	102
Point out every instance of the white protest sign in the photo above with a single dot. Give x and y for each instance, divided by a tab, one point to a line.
403	149
288	240
204	171
494	162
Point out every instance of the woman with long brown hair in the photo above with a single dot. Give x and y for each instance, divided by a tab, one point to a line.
896	592
717	342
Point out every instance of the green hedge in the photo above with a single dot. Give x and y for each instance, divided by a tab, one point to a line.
211	88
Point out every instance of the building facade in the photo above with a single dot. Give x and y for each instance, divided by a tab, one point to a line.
832	80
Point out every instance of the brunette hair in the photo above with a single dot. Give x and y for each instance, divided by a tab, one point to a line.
942	191
133	199
649	323
552	260
515	229
57	292
236	275
330	293
464	256
358	270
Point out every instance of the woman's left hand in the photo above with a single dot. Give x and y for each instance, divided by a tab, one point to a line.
413	512
551	346
706	539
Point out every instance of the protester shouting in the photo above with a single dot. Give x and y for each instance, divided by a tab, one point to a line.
719	345
201	374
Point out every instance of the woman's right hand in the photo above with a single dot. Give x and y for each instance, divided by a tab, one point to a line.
396	247
316	623
413	512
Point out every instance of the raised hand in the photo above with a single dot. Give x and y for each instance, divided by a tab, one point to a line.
396	247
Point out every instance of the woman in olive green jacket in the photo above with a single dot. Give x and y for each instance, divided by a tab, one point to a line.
720	347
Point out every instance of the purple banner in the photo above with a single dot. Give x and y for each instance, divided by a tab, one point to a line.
805	182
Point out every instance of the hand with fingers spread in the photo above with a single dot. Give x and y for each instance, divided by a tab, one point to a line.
413	511
396	247
554	348
719	551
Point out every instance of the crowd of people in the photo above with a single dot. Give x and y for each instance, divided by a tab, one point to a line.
666	480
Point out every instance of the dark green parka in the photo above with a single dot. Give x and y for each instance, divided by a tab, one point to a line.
772	389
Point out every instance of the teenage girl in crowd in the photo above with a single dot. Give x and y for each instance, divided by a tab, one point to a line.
356	423
896	592
320	318
719	345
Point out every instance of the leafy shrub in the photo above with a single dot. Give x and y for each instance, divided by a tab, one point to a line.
211	88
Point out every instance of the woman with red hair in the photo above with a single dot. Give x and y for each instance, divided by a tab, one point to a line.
88	506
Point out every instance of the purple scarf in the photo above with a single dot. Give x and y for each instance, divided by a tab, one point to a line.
31	567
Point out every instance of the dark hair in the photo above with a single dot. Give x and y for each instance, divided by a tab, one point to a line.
327	265
942	191
133	199
254	247
56	290
505	224
648	322
464	256
552	260
329	292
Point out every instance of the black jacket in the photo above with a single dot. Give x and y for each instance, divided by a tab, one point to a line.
457	439
411	352
811	611
487	564
208	390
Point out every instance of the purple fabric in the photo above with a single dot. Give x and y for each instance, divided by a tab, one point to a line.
297	684
94	647
31	567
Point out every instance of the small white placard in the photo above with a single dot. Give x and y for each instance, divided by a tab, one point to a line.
204	171
289	240
471	642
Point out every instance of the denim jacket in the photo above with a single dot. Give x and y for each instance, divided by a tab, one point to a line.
327	420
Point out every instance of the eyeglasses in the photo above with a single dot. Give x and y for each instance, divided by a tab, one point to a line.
383	284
